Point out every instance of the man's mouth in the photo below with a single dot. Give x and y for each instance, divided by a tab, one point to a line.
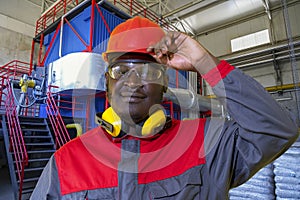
130	97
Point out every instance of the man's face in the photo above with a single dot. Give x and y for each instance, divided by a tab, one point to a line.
133	89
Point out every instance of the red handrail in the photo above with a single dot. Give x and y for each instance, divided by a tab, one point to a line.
57	10
17	144
14	69
60	131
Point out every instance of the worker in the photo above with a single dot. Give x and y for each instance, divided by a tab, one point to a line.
139	153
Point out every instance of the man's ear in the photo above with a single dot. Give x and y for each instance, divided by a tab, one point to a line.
106	79
106	75
107	86
105	57
166	83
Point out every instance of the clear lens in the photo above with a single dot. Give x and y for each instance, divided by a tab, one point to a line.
145	71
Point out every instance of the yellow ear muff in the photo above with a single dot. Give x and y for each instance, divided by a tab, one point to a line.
111	117
154	123
112	122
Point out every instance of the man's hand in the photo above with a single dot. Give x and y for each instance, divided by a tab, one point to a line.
179	51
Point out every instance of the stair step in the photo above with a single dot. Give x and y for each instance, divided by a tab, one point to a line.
34	129
41	151
26	191
31	169
26	180
37	137
32	123
40	144
38	160
34	169
30	118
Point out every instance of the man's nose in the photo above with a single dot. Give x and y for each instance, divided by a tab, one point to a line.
132	79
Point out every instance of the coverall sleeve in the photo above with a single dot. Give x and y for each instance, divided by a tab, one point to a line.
48	187
259	132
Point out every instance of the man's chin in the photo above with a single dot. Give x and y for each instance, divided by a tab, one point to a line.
132	118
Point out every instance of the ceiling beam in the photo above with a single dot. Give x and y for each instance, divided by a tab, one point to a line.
185	26
267	8
201	9
184	7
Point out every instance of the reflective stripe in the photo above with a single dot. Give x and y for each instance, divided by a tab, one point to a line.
127	170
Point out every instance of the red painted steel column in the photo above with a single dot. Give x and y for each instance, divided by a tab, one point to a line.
90	48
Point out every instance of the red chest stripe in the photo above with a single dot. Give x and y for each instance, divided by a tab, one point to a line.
180	149
82	168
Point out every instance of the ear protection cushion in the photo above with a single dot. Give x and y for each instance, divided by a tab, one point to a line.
154	123
111	117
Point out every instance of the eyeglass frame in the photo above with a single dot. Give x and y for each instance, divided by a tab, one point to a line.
162	68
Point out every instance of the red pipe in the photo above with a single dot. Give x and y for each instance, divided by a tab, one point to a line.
31	57
90	47
40	49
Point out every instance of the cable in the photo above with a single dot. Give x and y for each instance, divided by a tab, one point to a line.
292	55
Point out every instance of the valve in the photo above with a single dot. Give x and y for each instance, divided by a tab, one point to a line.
25	82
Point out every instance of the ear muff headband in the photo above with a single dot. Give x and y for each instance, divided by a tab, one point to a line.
152	125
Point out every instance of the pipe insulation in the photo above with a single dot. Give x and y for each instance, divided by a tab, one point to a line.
287	174
260	187
187	100
281	52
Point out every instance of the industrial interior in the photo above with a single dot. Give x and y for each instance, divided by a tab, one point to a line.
52	75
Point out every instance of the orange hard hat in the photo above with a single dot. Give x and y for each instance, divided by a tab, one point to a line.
133	36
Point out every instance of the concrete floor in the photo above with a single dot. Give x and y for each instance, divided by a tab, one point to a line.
6	191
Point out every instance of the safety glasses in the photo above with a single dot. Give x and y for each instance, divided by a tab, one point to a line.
147	71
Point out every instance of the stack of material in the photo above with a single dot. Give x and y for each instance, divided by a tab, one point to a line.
287	174
260	186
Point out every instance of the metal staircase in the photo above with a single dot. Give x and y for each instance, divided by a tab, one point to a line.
39	146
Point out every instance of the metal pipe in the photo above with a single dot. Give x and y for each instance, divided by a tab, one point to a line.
282	87
186	6
292	53
267	8
265	56
265	61
263	51
198	10
187	100
60	36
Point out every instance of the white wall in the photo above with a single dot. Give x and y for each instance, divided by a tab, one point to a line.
17	27
14	46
